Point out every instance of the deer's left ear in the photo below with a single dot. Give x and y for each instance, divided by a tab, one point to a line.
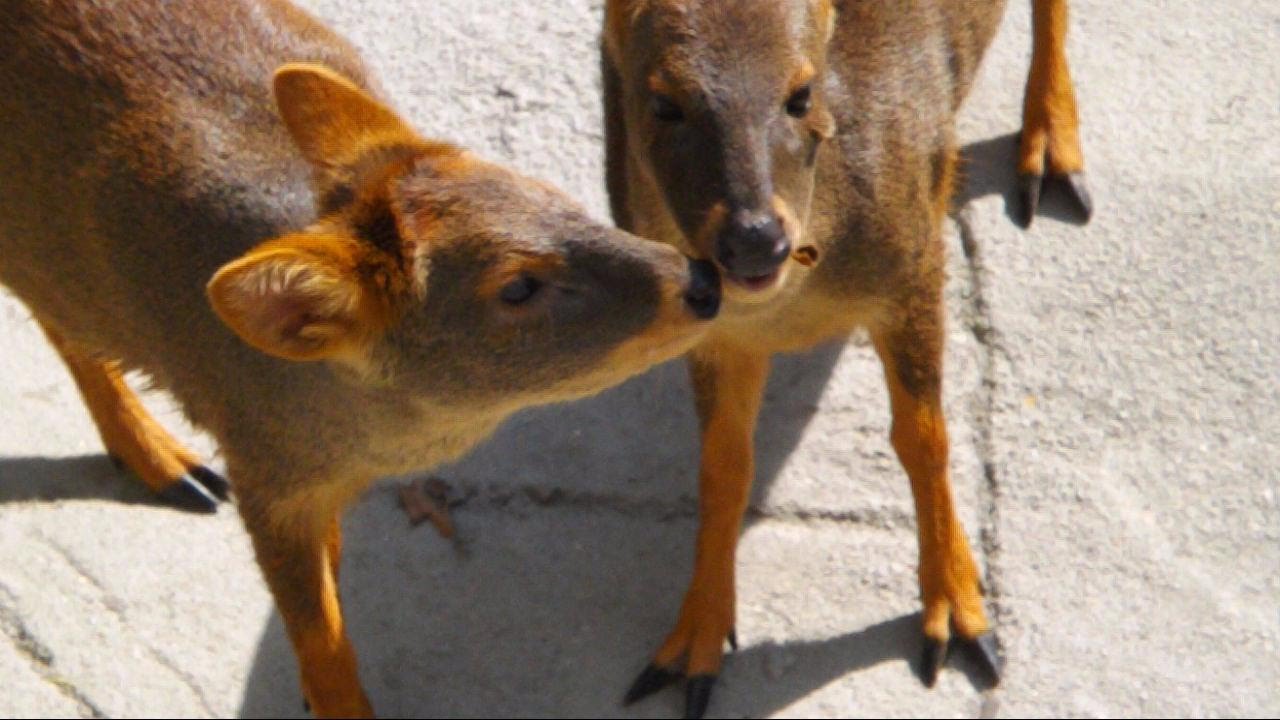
823	124
825	16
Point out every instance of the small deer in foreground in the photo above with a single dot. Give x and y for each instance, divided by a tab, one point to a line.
807	147
332	296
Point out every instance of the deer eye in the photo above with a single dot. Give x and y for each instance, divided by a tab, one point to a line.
800	101
520	290
666	109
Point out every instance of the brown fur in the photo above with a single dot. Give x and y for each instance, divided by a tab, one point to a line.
863	180
321	288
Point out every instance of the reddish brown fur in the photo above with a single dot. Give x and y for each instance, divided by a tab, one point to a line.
866	213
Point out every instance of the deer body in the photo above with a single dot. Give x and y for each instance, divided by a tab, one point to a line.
214	194
808	148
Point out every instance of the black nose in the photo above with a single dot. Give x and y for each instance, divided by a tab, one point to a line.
703	295
752	245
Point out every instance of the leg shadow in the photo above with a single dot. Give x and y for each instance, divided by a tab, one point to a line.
989	167
578	525
84	477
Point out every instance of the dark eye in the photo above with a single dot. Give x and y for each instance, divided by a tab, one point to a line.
799	102
520	290
666	109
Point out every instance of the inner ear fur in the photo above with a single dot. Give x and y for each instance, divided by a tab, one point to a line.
312	295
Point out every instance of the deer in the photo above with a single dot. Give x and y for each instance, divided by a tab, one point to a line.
808	149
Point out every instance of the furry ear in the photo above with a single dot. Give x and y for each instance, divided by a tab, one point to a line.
331	120
823	124
826	19
303	297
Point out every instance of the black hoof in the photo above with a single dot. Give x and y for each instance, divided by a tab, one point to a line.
188	494
651	680
935	656
733	639
1079	192
698	695
985	652
1029	194
212	481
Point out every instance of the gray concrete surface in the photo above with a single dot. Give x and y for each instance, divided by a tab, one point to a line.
1112	393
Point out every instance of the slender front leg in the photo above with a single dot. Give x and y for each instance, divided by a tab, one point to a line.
297	540
728	383
950	589
132	437
1050	125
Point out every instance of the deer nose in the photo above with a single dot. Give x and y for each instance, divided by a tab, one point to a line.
752	244
703	294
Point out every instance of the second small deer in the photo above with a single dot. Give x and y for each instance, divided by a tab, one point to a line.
808	148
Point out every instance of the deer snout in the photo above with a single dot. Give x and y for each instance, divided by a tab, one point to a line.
703	294
752	245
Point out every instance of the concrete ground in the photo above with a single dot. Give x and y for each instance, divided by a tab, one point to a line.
1112	393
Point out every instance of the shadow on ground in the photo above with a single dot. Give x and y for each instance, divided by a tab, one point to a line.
541	612
577	546
989	167
83	477
556	598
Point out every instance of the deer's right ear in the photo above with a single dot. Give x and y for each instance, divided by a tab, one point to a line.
306	296
331	120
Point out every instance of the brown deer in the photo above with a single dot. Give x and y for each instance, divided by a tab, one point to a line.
332	296
807	147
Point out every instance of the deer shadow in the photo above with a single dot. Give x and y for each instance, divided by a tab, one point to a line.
550	606
569	608
579	522
989	167
81	477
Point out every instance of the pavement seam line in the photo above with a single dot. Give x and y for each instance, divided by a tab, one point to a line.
39	656
978	318
113	606
487	496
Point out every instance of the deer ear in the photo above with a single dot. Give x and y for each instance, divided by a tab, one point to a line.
823	124
302	297
332	120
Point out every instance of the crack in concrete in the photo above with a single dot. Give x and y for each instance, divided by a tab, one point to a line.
187	678
977	315
515	498
116	607
75	565
39	656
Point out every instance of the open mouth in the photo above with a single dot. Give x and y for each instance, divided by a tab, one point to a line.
805	255
755	283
